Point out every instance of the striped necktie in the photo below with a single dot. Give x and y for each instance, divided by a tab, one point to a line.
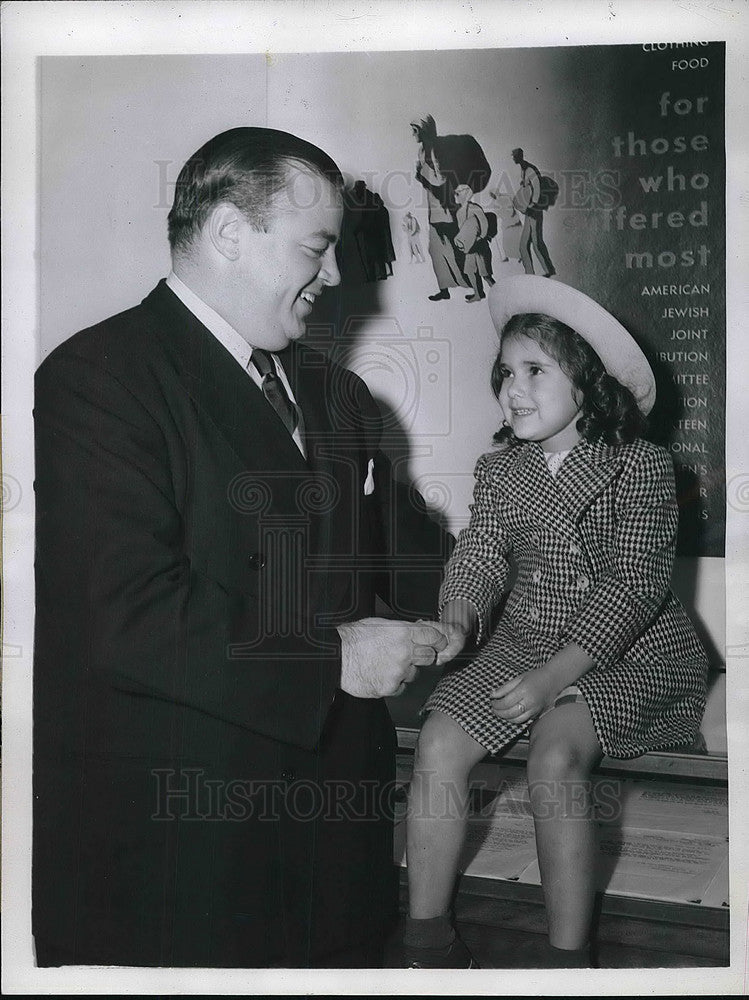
274	390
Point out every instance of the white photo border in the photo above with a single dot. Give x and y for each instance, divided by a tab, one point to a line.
31	30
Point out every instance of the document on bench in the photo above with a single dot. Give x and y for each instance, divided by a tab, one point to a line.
503	849
677	867
655	805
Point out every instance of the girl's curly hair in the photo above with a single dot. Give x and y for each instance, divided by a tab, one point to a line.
609	410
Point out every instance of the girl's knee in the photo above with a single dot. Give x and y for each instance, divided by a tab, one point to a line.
558	759
563	744
443	746
559	780
433	741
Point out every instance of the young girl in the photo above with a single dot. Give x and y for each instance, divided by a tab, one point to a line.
593	654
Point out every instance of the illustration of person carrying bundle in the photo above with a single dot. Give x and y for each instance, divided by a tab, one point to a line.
411	227
444	162
532	200
472	239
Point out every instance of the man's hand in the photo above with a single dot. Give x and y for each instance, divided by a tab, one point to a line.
379	657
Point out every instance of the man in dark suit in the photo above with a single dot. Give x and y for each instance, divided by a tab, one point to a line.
213	756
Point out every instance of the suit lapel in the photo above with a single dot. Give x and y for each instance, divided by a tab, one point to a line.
306	371
221	390
318	489
334	457
561	501
529	483
586	472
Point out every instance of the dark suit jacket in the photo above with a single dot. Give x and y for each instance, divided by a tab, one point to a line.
204	790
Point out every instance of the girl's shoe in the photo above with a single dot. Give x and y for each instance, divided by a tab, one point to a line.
453	956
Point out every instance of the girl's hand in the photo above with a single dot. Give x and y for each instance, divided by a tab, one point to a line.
457	622
456	636
523	698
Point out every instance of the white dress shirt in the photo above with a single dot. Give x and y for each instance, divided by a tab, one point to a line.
233	342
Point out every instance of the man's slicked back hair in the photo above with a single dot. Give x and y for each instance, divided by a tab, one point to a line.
247	167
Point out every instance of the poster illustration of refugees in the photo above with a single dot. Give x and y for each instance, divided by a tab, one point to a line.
626	147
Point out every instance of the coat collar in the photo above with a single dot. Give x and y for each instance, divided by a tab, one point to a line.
585	473
219	387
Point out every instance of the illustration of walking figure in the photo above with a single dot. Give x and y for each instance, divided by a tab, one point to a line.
529	201
507	218
412	229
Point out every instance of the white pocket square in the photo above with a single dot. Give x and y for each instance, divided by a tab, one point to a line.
369	481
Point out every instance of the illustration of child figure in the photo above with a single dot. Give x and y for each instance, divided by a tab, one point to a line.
473	228
508	219
592	653
411	227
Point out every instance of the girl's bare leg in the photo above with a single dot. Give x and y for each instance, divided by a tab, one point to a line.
564	749
438	803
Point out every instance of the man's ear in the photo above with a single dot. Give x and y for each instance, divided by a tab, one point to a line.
223	228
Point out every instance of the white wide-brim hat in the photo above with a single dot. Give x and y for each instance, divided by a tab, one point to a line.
614	345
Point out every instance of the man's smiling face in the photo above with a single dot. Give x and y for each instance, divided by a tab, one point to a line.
282	269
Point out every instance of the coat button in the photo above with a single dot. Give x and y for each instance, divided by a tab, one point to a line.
537	576
256	560
287	775
535	539
534	613
583	582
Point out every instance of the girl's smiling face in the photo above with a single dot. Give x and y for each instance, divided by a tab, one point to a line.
538	400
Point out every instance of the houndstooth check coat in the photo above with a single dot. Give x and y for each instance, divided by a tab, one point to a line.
594	551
